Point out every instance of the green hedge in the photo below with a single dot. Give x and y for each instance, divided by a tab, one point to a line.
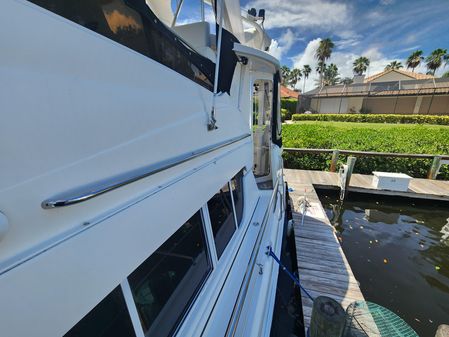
397	138
284	114
373	118
289	104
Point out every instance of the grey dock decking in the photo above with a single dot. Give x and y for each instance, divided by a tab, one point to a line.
418	188
322	265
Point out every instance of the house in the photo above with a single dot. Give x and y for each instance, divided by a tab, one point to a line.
388	92
396	75
288	93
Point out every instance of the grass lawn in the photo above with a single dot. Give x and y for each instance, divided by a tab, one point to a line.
400	138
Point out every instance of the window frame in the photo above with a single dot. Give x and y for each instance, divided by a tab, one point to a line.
236	227
209	234
135	317
243	170
132	309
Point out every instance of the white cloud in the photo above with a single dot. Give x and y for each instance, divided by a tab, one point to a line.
321	14
275	50
280	47
307	57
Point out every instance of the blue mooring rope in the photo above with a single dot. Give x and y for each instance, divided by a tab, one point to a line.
293	277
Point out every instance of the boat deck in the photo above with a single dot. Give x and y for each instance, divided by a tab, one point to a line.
322	264
418	188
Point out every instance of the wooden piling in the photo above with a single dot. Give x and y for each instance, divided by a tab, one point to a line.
443	331
334	161
351	163
436	164
328	318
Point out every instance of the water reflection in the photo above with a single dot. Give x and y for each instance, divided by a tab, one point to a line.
399	252
445	232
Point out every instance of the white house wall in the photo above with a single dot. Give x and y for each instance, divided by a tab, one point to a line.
383	105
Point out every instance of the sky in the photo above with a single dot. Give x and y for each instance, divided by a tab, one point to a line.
382	30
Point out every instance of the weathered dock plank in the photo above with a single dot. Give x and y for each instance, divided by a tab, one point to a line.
322	266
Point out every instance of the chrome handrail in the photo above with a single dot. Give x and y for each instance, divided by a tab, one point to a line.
95	189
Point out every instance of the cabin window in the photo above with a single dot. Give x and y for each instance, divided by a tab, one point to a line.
165	284
136	27
237	194
110	318
222	218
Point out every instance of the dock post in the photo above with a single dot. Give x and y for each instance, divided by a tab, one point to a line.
443	331
351	164
335	155
328	318
345	176
436	164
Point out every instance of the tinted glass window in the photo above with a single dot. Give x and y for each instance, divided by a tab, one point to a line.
109	318
222	218
125	25
166	283
237	193
137	28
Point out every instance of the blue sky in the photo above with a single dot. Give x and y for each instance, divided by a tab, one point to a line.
382	30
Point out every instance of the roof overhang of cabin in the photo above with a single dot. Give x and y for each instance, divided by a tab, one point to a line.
260	60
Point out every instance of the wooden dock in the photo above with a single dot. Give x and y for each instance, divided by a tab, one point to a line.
361	183
322	265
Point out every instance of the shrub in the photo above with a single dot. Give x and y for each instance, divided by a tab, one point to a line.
426	139
289	104
374	118
284	114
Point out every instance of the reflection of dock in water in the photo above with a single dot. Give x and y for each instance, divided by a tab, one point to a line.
445	232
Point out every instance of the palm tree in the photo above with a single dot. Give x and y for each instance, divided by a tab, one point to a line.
330	76
435	59
323	53
414	59
285	72
321	66
346	81
394	65
360	65
295	76
320	69
306	70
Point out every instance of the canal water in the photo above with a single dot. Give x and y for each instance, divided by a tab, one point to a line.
398	250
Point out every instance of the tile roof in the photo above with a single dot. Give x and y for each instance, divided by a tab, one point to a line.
416	76
288	93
